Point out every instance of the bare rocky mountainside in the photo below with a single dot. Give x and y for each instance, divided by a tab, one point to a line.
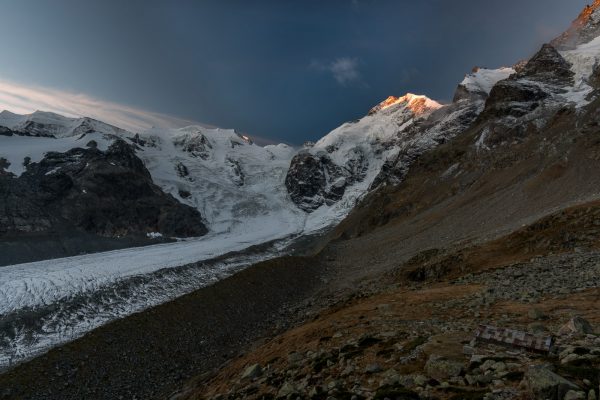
101	195
447	251
494	229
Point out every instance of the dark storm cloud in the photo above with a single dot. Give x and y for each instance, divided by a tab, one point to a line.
287	70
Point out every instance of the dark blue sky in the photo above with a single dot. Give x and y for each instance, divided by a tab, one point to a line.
285	70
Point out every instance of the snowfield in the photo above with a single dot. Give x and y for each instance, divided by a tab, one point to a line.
56	125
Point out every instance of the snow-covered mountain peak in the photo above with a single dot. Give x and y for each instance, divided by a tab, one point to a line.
383	123
50	124
331	175
7	114
9	119
418	104
583	30
589	15
202	142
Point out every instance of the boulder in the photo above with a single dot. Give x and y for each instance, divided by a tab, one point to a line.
286	390
545	384
591	395
575	395
253	371
373	368
295	357
576	326
441	368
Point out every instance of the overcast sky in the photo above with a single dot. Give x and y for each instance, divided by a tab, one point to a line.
283	70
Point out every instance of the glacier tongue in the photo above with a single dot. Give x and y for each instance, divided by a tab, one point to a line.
72	296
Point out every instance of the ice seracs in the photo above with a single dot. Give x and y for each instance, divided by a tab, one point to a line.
223	174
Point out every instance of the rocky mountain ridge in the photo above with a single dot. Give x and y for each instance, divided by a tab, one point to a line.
47	124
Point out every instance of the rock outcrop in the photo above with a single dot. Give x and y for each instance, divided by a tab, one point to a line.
107	193
546	74
315	179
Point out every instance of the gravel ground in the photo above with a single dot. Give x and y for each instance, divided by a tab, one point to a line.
150	354
417	341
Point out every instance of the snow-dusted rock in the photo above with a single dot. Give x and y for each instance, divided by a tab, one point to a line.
108	193
345	163
585	28
480	82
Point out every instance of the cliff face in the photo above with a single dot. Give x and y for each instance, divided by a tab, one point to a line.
109	194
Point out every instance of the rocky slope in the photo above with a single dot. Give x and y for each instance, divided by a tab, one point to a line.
399	340
480	230
585	28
